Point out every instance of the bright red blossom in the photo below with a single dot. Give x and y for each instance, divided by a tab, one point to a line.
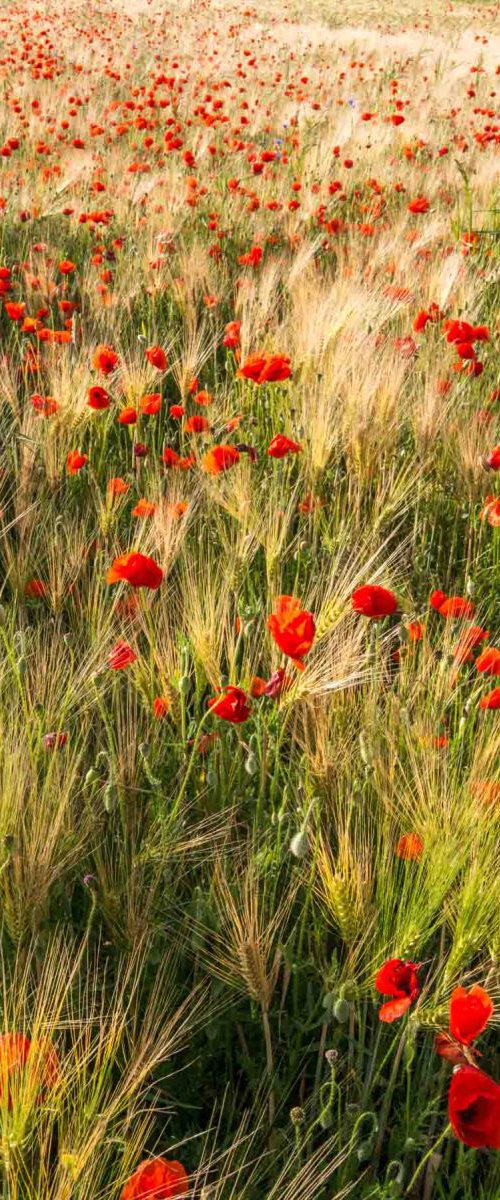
292	628
399	979
137	569
374	601
157	1179
232	705
474	1108
470	1012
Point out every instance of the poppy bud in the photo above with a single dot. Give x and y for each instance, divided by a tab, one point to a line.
341	1010
299	844
184	685
251	764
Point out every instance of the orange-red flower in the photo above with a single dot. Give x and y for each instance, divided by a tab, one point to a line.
157	1179
137	569
117	486
474	1108
456	607
75	461
488	662
491	511
266	368
98	398
128	416
232	705
292	628
219	458
121	656
105	359
399	979
144	508
45	405
492	700
150	404
280	446
374	601
18	1054
196	424
156	357
410	846
161	706
419	205
470	1012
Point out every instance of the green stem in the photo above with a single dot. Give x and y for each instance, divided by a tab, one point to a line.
426	1157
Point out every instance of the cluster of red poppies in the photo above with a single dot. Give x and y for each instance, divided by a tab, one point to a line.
473	1098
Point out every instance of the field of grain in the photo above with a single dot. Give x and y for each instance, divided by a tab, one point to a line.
249	600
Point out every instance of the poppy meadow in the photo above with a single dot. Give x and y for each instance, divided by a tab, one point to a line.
249	617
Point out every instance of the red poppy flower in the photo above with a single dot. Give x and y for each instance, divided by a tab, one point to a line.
144	508
150	404
492	700
104	359
157	1179
292	628
419	205
196	424
374	601
156	357
121	656
14	311
468	641
18	1053
176	411
492	460
66	267
231	337
398	979
474	1108
219	458
470	1012
232	705
117	486
410	847
456	607
488	662
204	398
35	589
266	368
491	511
436	599
280	446
136	569
45	405
98	398
75	461
415	631
128	416
161	706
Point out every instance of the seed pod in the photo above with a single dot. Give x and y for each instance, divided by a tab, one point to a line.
110	798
